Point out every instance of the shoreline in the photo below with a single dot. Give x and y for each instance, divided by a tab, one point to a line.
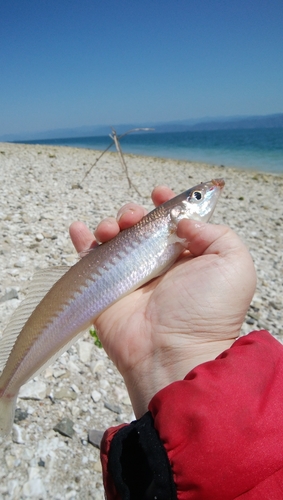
161	156
250	170
40	198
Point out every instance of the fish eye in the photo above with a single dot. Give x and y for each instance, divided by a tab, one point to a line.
197	195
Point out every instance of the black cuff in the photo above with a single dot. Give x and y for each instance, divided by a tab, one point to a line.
138	463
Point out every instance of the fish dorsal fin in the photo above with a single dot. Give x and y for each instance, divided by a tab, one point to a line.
42	282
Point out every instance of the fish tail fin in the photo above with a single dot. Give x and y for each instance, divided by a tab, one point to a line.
7	412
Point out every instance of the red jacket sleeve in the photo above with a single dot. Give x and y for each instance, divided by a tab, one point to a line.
221	429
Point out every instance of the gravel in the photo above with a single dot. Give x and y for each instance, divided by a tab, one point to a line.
41	194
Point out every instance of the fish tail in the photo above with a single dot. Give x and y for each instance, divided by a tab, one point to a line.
7	413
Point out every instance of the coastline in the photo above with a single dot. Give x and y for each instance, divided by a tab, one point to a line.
258	149
40	198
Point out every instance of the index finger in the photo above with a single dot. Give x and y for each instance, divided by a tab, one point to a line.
161	194
82	238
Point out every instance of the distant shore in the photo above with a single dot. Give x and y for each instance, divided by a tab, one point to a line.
258	149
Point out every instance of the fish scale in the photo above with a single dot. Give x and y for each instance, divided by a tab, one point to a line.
63	302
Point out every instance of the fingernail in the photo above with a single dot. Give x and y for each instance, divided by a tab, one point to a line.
123	212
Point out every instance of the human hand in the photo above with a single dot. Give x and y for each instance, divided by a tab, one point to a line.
158	333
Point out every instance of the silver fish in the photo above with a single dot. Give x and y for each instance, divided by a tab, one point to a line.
63	302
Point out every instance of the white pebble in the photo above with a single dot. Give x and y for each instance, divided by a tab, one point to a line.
104	384
34	488
13	488
33	390
84	351
97	367
18	434
96	396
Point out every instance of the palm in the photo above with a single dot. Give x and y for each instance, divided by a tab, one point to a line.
198	300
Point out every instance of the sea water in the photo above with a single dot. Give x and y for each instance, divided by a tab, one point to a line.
257	149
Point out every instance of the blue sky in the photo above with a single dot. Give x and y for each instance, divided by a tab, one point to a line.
68	63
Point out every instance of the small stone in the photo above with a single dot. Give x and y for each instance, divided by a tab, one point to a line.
119	392
33	390
97	467
10	461
34	488
126	401
84	351
59	372
97	367
72	367
39	237
27	454
112	407
64	393
71	259
250	321
121	418
10	293
98	495
75	388
96	396
48	446
47	216
75	411
104	384
14	272
254	315
95	437
20	415
256	304
71	495
49	236
275	305
18	434
48	372
103	393
19	264
13	488
65	427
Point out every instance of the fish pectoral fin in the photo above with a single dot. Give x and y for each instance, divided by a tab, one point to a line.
41	284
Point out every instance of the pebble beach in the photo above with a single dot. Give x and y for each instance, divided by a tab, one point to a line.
50	454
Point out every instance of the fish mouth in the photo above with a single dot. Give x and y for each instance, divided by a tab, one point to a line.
218	182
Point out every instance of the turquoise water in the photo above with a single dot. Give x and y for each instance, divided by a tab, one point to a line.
259	149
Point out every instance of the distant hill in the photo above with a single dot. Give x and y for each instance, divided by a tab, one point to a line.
241	122
218	123
269	121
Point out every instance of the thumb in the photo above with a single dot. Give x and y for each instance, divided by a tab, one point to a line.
203	238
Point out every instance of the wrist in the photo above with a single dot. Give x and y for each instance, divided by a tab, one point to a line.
160	369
